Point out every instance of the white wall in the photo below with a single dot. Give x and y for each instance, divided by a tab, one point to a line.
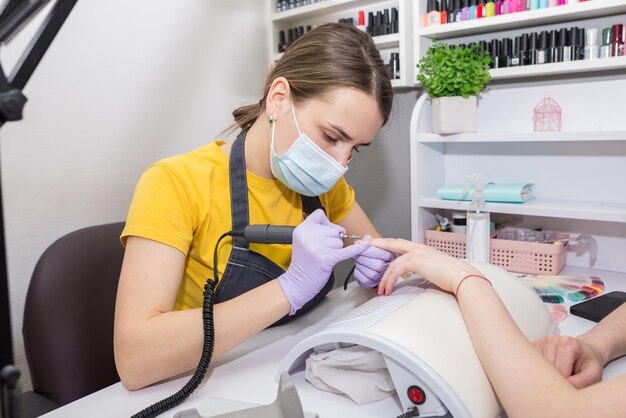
124	84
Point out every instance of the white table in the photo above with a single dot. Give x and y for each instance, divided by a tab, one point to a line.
247	373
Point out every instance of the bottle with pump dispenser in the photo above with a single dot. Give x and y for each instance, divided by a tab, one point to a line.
478	223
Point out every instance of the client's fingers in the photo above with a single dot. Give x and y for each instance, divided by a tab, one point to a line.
396	245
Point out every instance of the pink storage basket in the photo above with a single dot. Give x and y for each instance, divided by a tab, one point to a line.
516	256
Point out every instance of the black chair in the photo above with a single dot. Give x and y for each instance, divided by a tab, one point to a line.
68	316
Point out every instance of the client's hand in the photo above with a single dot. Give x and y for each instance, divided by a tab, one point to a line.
433	265
575	359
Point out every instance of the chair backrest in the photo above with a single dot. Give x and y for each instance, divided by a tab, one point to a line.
69	313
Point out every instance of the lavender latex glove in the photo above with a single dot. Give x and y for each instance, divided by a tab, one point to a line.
316	249
371	264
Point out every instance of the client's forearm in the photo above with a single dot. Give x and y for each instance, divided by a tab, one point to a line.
608	338
524	382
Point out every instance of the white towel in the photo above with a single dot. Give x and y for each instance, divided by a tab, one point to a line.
357	372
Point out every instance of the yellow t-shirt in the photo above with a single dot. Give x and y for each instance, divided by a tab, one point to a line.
184	202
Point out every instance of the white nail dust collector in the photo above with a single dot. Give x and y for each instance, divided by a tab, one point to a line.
426	346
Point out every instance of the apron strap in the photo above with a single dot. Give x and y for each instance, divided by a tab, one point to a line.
239	188
310	204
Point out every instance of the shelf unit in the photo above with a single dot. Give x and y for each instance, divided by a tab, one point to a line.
332	10
578	173
515	23
526	137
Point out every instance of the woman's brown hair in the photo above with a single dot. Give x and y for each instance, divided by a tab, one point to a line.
330	56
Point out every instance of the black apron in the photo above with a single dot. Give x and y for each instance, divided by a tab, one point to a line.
247	269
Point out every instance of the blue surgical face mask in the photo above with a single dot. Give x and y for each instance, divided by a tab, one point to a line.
305	168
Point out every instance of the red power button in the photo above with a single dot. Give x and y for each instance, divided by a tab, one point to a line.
416	395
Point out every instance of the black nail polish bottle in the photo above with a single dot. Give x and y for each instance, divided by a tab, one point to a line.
495	53
527	54
532	47
370	23
394	20
581	44
516	55
573	43
282	43
542	47
506	52
386	22
561	45
552	54
484	47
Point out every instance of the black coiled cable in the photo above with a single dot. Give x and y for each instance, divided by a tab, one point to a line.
207	348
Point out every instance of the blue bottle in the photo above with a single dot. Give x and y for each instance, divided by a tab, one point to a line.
472	10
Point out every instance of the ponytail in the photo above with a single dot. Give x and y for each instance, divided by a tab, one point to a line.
246	115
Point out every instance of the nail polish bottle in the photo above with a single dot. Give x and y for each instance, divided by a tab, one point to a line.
282	43
580	44
532	47
472	10
443	14
495	53
480	9
490	8
553	3
562	46
553	52
484	47
394	20
617	40
542	47
543	4
524	57
506	7
605	49
456	11
505	53
432	13
498	8
534	4
370	23
515	56
465	10
573	43
378	24
360	25
394	66
523	5
386	23
591	44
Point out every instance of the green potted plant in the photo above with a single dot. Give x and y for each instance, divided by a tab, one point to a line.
453	76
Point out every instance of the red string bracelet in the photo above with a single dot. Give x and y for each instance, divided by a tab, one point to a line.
468	276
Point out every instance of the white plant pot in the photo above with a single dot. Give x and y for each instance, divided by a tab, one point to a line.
454	115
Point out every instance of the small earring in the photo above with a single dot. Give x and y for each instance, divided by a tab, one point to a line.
271	121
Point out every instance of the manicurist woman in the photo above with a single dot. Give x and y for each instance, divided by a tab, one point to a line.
325	98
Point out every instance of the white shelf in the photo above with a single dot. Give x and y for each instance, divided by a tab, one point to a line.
565	13
382	42
561	68
387	41
319	9
526	137
569	209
